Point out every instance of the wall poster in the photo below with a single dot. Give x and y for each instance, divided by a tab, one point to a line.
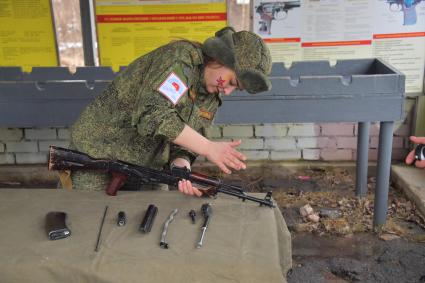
129	29
27	34
393	30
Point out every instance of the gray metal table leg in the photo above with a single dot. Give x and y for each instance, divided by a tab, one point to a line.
383	174
362	158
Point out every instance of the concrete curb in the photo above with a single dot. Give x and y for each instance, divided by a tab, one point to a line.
412	181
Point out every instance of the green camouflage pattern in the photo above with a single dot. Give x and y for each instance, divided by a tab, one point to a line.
133	122
244	52
251	53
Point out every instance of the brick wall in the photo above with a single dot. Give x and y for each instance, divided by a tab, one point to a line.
30	146
326	142
309	141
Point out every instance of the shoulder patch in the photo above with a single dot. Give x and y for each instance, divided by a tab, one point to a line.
206	114
173	88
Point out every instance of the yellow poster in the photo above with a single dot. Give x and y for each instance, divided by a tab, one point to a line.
27	36
129	29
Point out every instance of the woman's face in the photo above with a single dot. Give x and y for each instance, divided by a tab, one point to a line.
220	79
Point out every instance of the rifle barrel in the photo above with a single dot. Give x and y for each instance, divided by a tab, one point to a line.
244	197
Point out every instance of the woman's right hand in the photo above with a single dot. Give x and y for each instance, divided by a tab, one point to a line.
225	156
222	154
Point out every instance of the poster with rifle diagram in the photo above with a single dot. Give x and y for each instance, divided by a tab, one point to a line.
393	30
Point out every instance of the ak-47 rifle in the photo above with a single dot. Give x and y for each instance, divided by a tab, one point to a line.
66	159
270	11
408	7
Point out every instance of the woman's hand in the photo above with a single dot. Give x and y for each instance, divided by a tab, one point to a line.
410	158
185	186
224	155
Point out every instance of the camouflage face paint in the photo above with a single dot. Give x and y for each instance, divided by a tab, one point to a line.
220	81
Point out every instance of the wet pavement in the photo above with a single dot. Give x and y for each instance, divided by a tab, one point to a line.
360	257
353	252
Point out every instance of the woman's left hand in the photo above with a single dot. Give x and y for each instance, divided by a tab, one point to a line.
185	186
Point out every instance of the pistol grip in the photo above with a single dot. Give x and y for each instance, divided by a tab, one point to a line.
117	182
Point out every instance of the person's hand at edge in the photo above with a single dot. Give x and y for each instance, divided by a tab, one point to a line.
410	158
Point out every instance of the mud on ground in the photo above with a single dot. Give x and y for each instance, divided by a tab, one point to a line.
335	241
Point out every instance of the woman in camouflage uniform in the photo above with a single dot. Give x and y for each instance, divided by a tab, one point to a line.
155	112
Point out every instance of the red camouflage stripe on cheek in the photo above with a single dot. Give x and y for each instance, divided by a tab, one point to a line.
220	81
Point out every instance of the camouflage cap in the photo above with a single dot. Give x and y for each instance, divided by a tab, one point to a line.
245	53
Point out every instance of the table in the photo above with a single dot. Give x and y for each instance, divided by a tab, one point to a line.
244	242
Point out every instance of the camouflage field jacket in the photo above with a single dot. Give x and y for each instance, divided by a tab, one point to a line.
133	121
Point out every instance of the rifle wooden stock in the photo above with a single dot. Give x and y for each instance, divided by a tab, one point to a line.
66	159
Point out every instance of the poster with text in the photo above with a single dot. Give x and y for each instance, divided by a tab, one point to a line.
393	30
399	38
27	36
129	29
336	29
